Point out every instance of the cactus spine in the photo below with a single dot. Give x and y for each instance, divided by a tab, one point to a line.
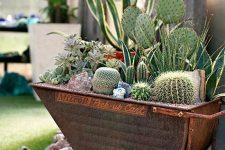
174	87
141	91
144	31
105	80
130	75
170	11
142	72
129	19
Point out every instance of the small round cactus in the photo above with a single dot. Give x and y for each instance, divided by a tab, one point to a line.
174	87
144	31
170	11
128	20
185	37
141	91
105	80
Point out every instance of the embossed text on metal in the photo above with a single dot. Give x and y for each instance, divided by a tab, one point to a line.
103	104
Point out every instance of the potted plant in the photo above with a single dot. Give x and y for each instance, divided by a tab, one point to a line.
57	11
166	100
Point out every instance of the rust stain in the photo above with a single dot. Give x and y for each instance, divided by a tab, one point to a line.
103	104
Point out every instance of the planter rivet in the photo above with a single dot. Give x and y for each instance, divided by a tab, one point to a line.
154	109
180	114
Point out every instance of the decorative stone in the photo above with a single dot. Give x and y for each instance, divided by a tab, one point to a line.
127	87
58	145
58	137
67	148
119	93
80	82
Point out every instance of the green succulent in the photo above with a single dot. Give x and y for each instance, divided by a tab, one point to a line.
141	91
130	75
183	37
112	63
142	72
129	19
144	31
170	11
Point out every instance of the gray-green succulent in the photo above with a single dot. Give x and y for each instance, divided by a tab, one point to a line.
55	76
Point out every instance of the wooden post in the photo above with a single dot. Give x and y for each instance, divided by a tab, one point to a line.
196	11
90	29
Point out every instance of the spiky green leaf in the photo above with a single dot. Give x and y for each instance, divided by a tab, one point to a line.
126	54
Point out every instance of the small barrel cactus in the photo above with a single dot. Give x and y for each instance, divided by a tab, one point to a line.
142	72
185	37
141	91
105	80
144	31
174	87
170	11
128	20
130	75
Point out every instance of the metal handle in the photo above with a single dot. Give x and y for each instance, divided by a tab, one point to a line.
182	114
208	117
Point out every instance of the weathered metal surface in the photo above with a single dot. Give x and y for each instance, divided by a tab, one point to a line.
201	130
95	122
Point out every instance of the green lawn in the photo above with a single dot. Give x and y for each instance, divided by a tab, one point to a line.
24	122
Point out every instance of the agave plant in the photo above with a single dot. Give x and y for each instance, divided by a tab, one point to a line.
214	70
98	10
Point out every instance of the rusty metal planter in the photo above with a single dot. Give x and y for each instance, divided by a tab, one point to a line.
96	122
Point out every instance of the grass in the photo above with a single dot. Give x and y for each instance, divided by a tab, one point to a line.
24	122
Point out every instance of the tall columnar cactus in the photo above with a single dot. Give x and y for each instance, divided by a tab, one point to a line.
142	72
105	80
170	11
174	87
141	91
129	19
130	75
185	37
144	31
